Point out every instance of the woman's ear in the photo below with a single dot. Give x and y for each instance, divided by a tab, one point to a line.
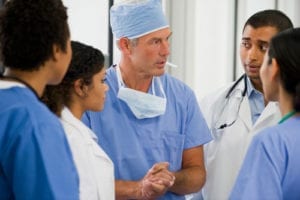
80	88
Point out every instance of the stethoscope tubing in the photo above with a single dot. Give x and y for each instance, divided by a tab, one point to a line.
243	77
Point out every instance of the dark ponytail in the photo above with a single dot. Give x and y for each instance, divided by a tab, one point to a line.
285	48
53	99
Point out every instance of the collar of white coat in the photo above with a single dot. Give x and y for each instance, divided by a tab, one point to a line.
270	115
69	118
271	112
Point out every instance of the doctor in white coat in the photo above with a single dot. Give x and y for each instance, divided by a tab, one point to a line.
83	88
238	111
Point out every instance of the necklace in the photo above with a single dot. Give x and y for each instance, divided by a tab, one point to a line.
285	117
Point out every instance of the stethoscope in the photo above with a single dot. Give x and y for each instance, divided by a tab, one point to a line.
227	97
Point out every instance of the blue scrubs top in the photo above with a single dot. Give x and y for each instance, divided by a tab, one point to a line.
35	160
134	144
271	167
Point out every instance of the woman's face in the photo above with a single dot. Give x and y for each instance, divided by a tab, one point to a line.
269	79
95	98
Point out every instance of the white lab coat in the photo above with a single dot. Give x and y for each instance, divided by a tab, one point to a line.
224	155
95	169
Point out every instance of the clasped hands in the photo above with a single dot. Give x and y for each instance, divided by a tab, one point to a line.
157	181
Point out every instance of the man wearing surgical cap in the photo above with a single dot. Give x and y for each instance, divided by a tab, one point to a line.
151	126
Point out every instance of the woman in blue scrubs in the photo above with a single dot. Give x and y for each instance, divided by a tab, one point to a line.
35	159
271	167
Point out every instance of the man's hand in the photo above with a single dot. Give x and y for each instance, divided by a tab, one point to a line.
157	181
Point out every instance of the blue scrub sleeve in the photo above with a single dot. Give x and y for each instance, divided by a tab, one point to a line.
35	158
196	126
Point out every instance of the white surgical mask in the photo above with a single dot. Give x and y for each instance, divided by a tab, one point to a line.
142	105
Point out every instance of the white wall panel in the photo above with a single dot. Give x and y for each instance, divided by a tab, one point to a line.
88	22
202	42
291	8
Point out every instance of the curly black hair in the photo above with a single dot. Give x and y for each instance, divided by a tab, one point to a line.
85	63
28	31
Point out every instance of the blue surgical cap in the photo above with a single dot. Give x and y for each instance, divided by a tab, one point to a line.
133	20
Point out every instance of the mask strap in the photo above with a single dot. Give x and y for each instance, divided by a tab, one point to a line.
160	87
153	88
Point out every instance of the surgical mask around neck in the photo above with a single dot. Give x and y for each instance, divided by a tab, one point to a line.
142	105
